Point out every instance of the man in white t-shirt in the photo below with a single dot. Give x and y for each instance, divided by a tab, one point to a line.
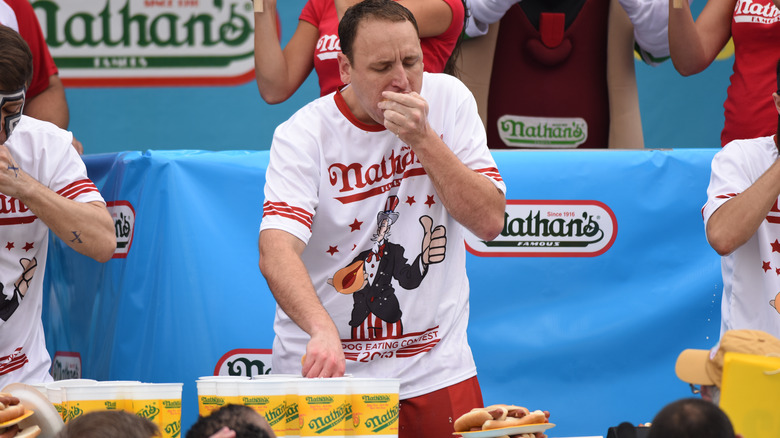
43	186
742	222
369	192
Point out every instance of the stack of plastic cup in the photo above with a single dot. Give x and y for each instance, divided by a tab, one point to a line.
56	391
217	391
160	403
324	407
290	381
375	407
267	397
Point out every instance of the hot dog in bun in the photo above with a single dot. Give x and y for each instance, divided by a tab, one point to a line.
498	416
10	409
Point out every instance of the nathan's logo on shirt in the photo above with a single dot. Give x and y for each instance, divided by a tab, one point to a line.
328	47
748	11
124	225
150	42
358	181
542	132
14	212
550	229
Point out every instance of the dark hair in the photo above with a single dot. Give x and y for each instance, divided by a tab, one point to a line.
102	424
387	10
243	420
691	418
16	67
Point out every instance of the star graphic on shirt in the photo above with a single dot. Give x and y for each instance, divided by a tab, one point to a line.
28	246
333	249
766	266
9	246
777	271
355	226
354	245
776	246
410	200
430	201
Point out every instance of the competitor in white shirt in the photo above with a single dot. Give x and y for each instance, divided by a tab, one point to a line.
742	221
43	186
369	192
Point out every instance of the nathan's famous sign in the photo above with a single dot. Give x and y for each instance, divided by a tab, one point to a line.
150	42
542	228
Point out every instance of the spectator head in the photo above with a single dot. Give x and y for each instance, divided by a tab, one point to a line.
243	420
691	418
102	424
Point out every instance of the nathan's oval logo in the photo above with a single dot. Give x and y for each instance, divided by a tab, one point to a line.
540	228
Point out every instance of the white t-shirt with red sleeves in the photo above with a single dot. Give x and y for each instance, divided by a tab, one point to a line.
751	274
43	151
328	183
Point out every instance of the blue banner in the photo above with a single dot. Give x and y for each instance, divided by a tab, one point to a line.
601	277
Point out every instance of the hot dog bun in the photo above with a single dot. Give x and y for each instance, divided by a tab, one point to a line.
11	412
474	419
534	417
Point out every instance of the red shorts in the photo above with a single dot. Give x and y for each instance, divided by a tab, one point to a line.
432	415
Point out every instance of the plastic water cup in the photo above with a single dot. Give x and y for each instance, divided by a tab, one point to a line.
375	407
56	391
217	391
293	426
324	407
91	398
267	397
160	403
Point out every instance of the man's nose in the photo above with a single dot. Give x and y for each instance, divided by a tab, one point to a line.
400	78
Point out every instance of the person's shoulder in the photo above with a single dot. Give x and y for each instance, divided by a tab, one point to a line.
442	83
753	147
39	133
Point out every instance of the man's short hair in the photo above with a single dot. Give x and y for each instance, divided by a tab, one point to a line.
243	420
691	418
387	10
101	424
16	67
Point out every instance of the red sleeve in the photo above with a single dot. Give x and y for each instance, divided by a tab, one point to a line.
30	30
310	14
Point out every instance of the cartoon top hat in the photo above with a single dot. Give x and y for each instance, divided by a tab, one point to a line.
389	212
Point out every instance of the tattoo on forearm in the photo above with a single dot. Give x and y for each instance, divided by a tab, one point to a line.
15	169
76	237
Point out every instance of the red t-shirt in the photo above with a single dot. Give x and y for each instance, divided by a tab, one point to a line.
30	30
749	109
322	15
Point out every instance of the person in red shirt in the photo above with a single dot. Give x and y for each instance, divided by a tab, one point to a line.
315	43
46	94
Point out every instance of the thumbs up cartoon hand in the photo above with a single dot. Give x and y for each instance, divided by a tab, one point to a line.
434	244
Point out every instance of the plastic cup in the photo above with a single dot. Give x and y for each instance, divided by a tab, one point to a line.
56	391
375	407
160	403
85	399
293	426
267	397
217	391
324	407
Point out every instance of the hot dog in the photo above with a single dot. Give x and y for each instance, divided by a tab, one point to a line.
474	419
534	417
11	412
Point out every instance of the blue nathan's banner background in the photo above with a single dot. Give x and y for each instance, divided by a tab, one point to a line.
601	277
178	74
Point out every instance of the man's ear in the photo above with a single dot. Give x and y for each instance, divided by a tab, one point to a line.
345	68
777	101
